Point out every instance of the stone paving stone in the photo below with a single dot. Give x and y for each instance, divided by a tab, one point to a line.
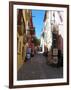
36	68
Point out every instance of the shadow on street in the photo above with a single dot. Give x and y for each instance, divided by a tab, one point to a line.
37	68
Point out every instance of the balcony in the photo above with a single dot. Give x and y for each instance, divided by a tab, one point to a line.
32	30
19	29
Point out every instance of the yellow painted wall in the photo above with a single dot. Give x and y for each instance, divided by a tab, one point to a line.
24	15
19	52
20	59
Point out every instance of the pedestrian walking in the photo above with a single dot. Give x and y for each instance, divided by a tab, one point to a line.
28	53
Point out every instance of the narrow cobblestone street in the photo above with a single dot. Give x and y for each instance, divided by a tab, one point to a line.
37	68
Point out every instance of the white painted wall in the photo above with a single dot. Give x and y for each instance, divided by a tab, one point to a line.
4	45
48	29
54	18
42	43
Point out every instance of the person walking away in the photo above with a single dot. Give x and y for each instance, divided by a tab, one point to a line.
28	53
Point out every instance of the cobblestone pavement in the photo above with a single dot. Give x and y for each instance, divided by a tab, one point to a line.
37	68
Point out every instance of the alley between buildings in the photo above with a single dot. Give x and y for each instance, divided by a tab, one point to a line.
37	68
33	38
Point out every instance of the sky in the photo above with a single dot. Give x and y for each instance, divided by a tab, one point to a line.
38	17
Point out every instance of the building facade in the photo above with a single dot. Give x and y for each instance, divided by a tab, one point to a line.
46	36
52	33
21	32
25	34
